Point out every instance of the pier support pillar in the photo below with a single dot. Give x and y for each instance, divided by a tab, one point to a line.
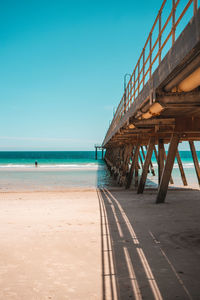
133	164
162	190
96	153
146	165
151	166
136	175
160	158
141	161
184	180
125	166
195	159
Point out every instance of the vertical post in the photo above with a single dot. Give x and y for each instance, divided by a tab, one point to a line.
162	190
151	166
143	69
102	153
171	179
129	93
136	175
140	157
160	24
124	110
133	164
126	164
160	158
173	21
143	154
195	159
156	155
195	6
146	165
181	168
134	86
138	77
150	54
125	93
96	153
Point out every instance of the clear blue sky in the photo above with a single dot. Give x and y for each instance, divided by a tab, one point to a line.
61	68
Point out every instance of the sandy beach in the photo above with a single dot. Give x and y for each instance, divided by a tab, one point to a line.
50	245
99	244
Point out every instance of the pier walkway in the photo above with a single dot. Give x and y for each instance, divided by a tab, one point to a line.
161	102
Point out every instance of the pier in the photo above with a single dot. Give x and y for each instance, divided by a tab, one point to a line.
99	148
161	102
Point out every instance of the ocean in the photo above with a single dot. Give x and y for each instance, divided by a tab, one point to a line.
59	170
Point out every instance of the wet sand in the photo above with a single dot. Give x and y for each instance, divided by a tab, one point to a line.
57	245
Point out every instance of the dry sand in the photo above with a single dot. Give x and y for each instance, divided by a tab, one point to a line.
50	245
57	245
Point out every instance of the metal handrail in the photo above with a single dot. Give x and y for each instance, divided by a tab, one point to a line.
140	75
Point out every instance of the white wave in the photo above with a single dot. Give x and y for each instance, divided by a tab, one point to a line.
185	165
89	166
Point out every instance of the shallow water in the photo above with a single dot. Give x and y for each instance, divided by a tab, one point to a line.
61	170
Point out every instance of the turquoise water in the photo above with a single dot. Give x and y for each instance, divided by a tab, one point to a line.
60	170
56	170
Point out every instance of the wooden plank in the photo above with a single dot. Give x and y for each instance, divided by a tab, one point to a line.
181	168
195	160
162	190
146	165
161	158
133	164
153	122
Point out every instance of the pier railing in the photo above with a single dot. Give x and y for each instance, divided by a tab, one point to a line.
172	18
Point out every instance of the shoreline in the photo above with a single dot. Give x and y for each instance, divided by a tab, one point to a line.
77	189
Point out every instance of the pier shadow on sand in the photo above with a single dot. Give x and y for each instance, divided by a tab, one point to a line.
149	251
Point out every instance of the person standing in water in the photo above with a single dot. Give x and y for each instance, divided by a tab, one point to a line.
36	163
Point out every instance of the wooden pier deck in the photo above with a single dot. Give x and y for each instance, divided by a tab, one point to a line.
161	103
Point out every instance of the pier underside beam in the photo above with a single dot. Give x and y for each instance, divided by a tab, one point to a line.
146	165
162	190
